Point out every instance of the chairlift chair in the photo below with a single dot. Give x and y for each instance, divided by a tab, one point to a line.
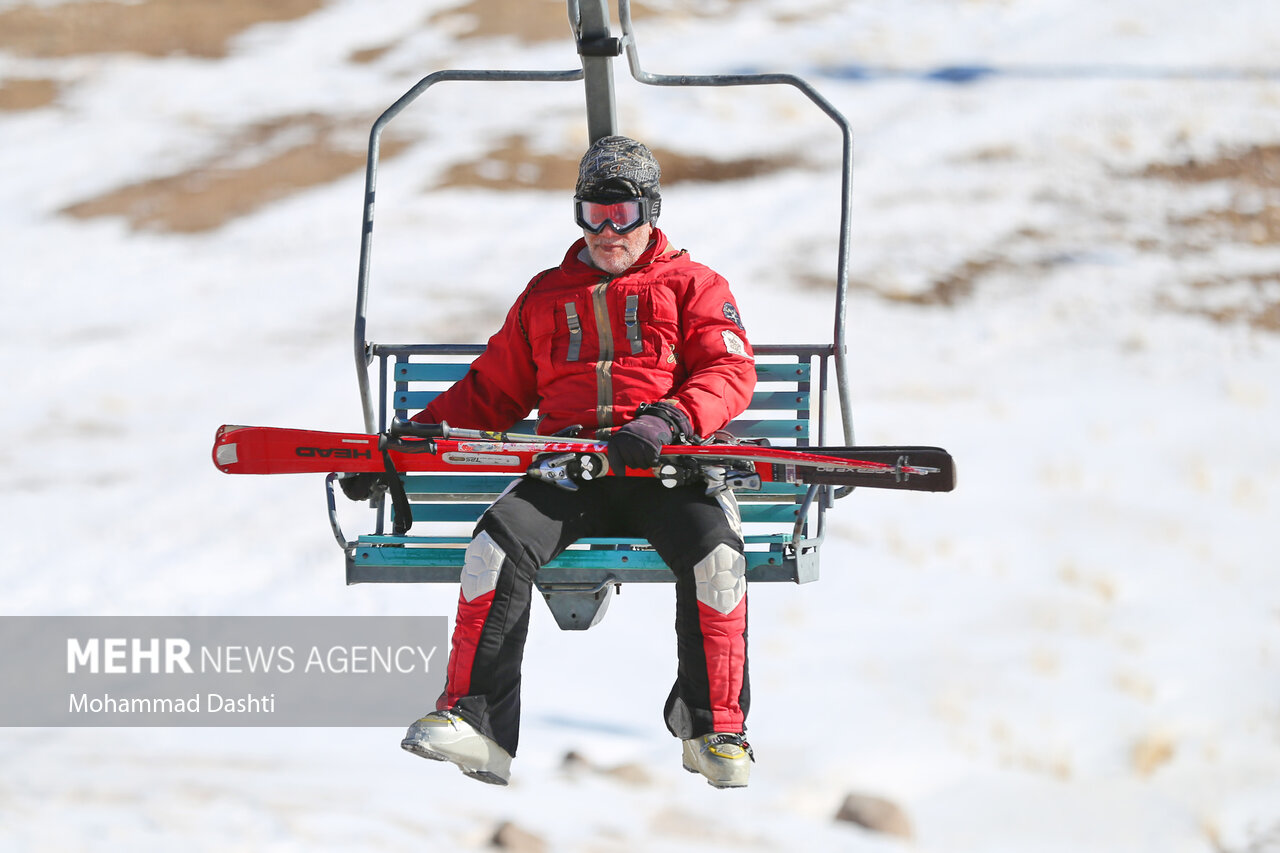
784	523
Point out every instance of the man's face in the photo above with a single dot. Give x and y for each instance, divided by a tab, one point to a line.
616	253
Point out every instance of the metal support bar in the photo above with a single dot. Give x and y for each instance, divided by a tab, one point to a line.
597	47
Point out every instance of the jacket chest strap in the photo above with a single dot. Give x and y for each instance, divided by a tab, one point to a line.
575	330
630	320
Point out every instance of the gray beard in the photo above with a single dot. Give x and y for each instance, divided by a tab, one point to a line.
585	257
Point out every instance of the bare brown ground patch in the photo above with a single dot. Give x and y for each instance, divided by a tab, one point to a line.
529	21
533	21
1253	218
368	55
1255	301
1151	753
152	27
27	94
953	287
947	290
677	167
223	187
1260	227
1254	170
1256	166
540	21
512	164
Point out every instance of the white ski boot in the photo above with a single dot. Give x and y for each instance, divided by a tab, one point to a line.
725	759
444	736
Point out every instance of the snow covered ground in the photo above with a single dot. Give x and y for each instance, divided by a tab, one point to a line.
1066	271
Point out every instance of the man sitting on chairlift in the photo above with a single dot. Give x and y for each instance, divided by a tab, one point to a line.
632	341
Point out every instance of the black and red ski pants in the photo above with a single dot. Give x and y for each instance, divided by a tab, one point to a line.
698	535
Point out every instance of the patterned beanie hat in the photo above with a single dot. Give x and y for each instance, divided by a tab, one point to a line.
617	168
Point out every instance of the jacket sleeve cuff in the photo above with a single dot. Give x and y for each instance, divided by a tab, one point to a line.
674	416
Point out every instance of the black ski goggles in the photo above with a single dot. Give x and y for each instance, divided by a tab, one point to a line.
621	216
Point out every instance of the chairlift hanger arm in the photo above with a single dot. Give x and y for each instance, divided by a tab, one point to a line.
597	47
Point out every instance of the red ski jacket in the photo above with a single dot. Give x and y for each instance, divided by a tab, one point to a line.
587	349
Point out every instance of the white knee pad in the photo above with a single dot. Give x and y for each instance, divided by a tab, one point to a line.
481	566
721	578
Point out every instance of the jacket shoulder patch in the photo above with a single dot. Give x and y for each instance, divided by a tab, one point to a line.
734	344
731	314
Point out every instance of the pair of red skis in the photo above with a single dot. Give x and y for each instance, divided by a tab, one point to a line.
413	447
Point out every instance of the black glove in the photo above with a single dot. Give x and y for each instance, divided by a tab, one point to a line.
638	444
362	487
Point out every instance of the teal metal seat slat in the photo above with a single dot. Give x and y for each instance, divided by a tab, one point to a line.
780	400
797	429
419	565
452	511
435	558
460	542
414	399
460	511
767	400
790	371
457	486
429	371
793	428
433	371
460	486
